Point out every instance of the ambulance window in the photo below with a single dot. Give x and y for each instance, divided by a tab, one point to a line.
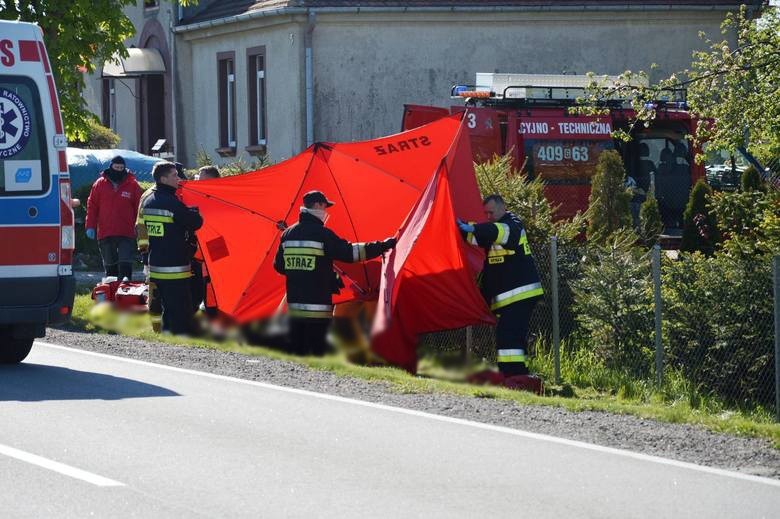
24	165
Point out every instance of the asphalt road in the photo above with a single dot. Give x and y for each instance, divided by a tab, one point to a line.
86	434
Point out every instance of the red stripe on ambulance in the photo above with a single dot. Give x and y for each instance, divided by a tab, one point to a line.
37	249
28	50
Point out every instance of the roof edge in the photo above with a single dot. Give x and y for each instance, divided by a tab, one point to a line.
266	13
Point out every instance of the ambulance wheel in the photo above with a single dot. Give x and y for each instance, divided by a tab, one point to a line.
14	351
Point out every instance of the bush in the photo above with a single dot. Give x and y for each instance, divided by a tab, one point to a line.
614	304
718	325
750	180
608	208
238	166
700	228
650	223
98	137
746	220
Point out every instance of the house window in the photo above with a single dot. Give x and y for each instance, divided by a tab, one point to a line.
108	108
227	102
256	100
150	4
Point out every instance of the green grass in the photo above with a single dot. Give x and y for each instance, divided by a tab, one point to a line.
590	386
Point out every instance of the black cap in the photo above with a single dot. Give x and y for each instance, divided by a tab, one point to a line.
314	197
118	160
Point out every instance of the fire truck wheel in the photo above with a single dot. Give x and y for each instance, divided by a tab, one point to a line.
14	351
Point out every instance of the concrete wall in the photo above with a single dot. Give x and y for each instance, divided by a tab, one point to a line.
283	41
367	66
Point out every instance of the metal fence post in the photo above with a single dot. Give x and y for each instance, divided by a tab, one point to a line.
776	275
556	323
659	349
469	342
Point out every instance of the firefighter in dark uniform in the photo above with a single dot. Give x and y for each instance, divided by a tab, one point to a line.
169	223
510	282
305	256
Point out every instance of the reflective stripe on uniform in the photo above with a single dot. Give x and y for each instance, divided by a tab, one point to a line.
498	250
517	294
310	310
143	242
309	244
305	251
511	355
471	239
177	272
161	219
503	233
358	252
157	212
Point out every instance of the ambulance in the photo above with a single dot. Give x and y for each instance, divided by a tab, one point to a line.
527	116
36	219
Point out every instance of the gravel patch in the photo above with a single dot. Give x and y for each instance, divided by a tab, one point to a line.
674	441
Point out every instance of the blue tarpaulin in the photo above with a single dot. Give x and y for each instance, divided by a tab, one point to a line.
86	165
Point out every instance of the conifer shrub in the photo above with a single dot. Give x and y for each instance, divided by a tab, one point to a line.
609	205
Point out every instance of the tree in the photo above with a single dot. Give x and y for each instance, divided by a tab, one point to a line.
734	85
78	34
608	208
750	180
700	229
650	223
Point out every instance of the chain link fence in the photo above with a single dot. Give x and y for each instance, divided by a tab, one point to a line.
615	318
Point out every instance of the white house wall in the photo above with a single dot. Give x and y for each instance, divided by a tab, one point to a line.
285	118
367	66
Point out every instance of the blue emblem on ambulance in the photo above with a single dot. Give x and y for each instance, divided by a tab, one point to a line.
23	175
15	124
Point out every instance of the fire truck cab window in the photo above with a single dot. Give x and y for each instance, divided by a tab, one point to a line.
664	158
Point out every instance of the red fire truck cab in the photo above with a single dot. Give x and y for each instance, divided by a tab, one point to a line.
527	116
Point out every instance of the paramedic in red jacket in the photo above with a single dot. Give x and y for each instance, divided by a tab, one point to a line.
112	208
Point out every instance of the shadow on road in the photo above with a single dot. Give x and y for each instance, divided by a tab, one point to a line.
37	382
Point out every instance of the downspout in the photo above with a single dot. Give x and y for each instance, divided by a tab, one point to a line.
309	73
174	88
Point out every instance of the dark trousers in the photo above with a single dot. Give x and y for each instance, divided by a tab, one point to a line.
512	333
307	336
176	299
118	253
197	285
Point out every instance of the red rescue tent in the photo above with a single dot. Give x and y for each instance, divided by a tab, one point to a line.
374	184
427	283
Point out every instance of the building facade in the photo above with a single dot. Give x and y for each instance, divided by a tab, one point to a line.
245	78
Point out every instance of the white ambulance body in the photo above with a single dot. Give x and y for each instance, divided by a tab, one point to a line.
36	220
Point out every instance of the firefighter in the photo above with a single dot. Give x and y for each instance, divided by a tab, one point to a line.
153	299
305	256
168	224
202	291
510	282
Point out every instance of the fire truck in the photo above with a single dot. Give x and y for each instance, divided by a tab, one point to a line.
528	116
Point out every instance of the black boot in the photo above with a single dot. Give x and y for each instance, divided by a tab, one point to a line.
125	271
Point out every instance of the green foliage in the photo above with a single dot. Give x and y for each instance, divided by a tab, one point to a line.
718	325
748	219
97	137
526	199
750	180
734	84
614	304
79	34
650	223
238	166
700	228
608	208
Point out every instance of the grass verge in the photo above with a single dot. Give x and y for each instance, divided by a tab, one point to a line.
670	404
